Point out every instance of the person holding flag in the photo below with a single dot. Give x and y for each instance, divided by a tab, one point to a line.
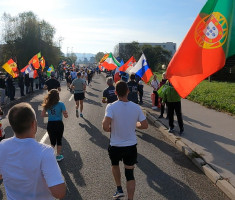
174	105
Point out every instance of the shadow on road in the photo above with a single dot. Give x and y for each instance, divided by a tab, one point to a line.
91	94
189	120
90	101
164	184
70	168
96	136
176	156
96	89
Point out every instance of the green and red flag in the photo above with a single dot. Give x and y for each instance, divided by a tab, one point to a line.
110	63
209	42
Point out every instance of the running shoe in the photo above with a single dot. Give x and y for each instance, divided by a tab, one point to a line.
59	157
118	194
171	130
81	115
77	114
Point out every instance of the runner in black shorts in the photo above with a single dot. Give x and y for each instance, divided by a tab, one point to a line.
55	110
79	96
126	154
121	119
79	86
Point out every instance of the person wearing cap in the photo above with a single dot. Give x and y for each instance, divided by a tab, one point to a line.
79	87
52	83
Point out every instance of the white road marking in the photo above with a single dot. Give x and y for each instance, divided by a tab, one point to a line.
70	99
44	138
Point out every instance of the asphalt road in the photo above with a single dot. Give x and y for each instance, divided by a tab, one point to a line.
162	172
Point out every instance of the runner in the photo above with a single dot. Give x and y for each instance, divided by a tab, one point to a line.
121	119
84	76
109	95
133	89
79	87
55	126
89	77
73	74
28	168
52	83
67	75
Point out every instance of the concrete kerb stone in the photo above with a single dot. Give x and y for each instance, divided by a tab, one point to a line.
214	176
211	173
199	162
227	188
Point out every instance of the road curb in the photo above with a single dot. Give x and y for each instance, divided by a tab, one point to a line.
213	175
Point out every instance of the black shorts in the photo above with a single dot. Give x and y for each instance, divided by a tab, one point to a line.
55	131
126	154
79	96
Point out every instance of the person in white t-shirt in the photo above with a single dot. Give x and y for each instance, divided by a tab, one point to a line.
155	85
121	119
29	169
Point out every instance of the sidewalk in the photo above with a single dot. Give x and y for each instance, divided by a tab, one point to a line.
207	132
18	98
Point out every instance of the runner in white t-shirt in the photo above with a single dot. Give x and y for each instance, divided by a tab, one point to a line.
29	169
121	119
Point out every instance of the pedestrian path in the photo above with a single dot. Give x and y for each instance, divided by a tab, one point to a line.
209	133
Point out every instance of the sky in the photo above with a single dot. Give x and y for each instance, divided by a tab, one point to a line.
90	26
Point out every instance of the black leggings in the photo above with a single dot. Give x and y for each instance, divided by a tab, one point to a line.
55	131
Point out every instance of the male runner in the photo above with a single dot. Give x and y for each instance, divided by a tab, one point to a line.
28	168
79	87
109	95
121	119
52	83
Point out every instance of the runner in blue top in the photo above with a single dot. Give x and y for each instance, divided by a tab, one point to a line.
55	110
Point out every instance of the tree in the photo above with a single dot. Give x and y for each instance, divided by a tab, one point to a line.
92	60
24	36
98	56
126	51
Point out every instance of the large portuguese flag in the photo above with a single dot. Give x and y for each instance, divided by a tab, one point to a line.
205	48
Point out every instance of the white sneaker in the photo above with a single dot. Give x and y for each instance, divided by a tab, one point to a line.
154	107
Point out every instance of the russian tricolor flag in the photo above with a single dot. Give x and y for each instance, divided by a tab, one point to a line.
142	69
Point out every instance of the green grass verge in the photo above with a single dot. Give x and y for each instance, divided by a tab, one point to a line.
216	95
